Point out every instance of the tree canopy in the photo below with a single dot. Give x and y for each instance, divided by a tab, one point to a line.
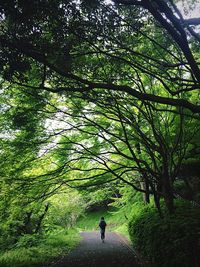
95	92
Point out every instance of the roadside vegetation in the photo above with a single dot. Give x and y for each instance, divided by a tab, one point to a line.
99	115
173	240
23	243
39	250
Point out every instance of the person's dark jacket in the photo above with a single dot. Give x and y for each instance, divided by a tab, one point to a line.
102	224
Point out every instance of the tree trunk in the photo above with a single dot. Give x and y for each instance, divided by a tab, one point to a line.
156	199
41	219
147	193
145	186
26	227
168	193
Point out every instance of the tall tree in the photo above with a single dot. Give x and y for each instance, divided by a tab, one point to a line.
132	70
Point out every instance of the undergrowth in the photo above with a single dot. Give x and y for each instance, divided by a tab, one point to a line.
33	250
172	241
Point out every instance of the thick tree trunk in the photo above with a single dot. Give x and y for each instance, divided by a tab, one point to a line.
168	193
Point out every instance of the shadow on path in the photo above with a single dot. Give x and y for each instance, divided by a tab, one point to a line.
91	252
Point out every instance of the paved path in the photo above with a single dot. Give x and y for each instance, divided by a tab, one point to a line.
91	252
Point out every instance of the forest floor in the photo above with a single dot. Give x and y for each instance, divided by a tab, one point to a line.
92	252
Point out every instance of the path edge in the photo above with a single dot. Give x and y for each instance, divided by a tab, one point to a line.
128	245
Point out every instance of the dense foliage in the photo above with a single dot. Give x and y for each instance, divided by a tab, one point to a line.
34	250
170	241
100	97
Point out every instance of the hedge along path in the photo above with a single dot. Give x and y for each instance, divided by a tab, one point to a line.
91	252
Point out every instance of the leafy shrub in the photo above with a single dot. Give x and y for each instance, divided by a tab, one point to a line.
172	241
28	240
51	247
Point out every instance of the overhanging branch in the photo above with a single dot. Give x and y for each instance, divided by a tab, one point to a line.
96	85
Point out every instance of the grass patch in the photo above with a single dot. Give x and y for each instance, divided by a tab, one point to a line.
116	222
90	220
123	230
47	250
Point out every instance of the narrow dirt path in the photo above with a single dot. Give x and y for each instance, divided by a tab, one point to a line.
91	252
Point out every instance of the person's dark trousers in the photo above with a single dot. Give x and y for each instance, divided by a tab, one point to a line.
102	234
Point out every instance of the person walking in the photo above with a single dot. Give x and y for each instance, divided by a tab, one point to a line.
102	225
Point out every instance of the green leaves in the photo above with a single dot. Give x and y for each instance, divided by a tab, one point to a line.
167	241
95	94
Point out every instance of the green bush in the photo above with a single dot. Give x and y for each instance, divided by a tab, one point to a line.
172	241
31	251
28	240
